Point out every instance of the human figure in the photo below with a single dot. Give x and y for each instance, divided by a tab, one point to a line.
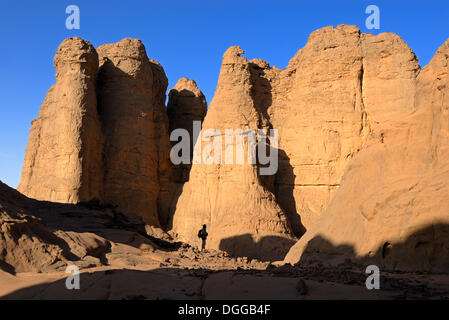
202	234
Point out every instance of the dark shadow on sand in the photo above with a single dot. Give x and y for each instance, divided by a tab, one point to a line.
426	249
268	248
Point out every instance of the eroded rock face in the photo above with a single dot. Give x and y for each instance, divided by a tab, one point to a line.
102	132
167	184
130	106
325	104
240	211
345	95
392	206
186	103
63	160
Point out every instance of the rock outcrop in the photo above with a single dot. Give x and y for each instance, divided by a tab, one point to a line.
128	108
233	200
186	104
392	207
63	160
348	105
325	104
102	131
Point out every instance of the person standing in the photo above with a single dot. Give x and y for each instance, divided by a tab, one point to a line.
202	234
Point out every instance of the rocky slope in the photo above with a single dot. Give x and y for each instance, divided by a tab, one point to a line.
39	236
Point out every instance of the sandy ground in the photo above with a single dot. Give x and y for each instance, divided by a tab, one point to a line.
120	257
178	275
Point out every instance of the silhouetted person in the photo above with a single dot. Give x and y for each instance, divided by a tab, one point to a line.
202	234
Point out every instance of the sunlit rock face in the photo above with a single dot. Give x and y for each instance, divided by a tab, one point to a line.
360	148
63	160
324	105
102	131
239	209
391	208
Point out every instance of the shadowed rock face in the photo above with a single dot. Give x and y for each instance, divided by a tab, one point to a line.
63	160
186	103
165	169
395	189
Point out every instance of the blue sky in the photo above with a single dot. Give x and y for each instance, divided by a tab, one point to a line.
187	37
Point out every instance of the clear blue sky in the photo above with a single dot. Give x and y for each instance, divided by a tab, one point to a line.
187	37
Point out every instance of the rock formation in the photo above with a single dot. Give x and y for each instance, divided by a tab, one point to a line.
128	107
392	207
102	134
366	80
186	103
325	103
242	215
165	169
37	236
348	104
63	160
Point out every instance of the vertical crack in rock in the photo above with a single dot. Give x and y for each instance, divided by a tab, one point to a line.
160	118
365	127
